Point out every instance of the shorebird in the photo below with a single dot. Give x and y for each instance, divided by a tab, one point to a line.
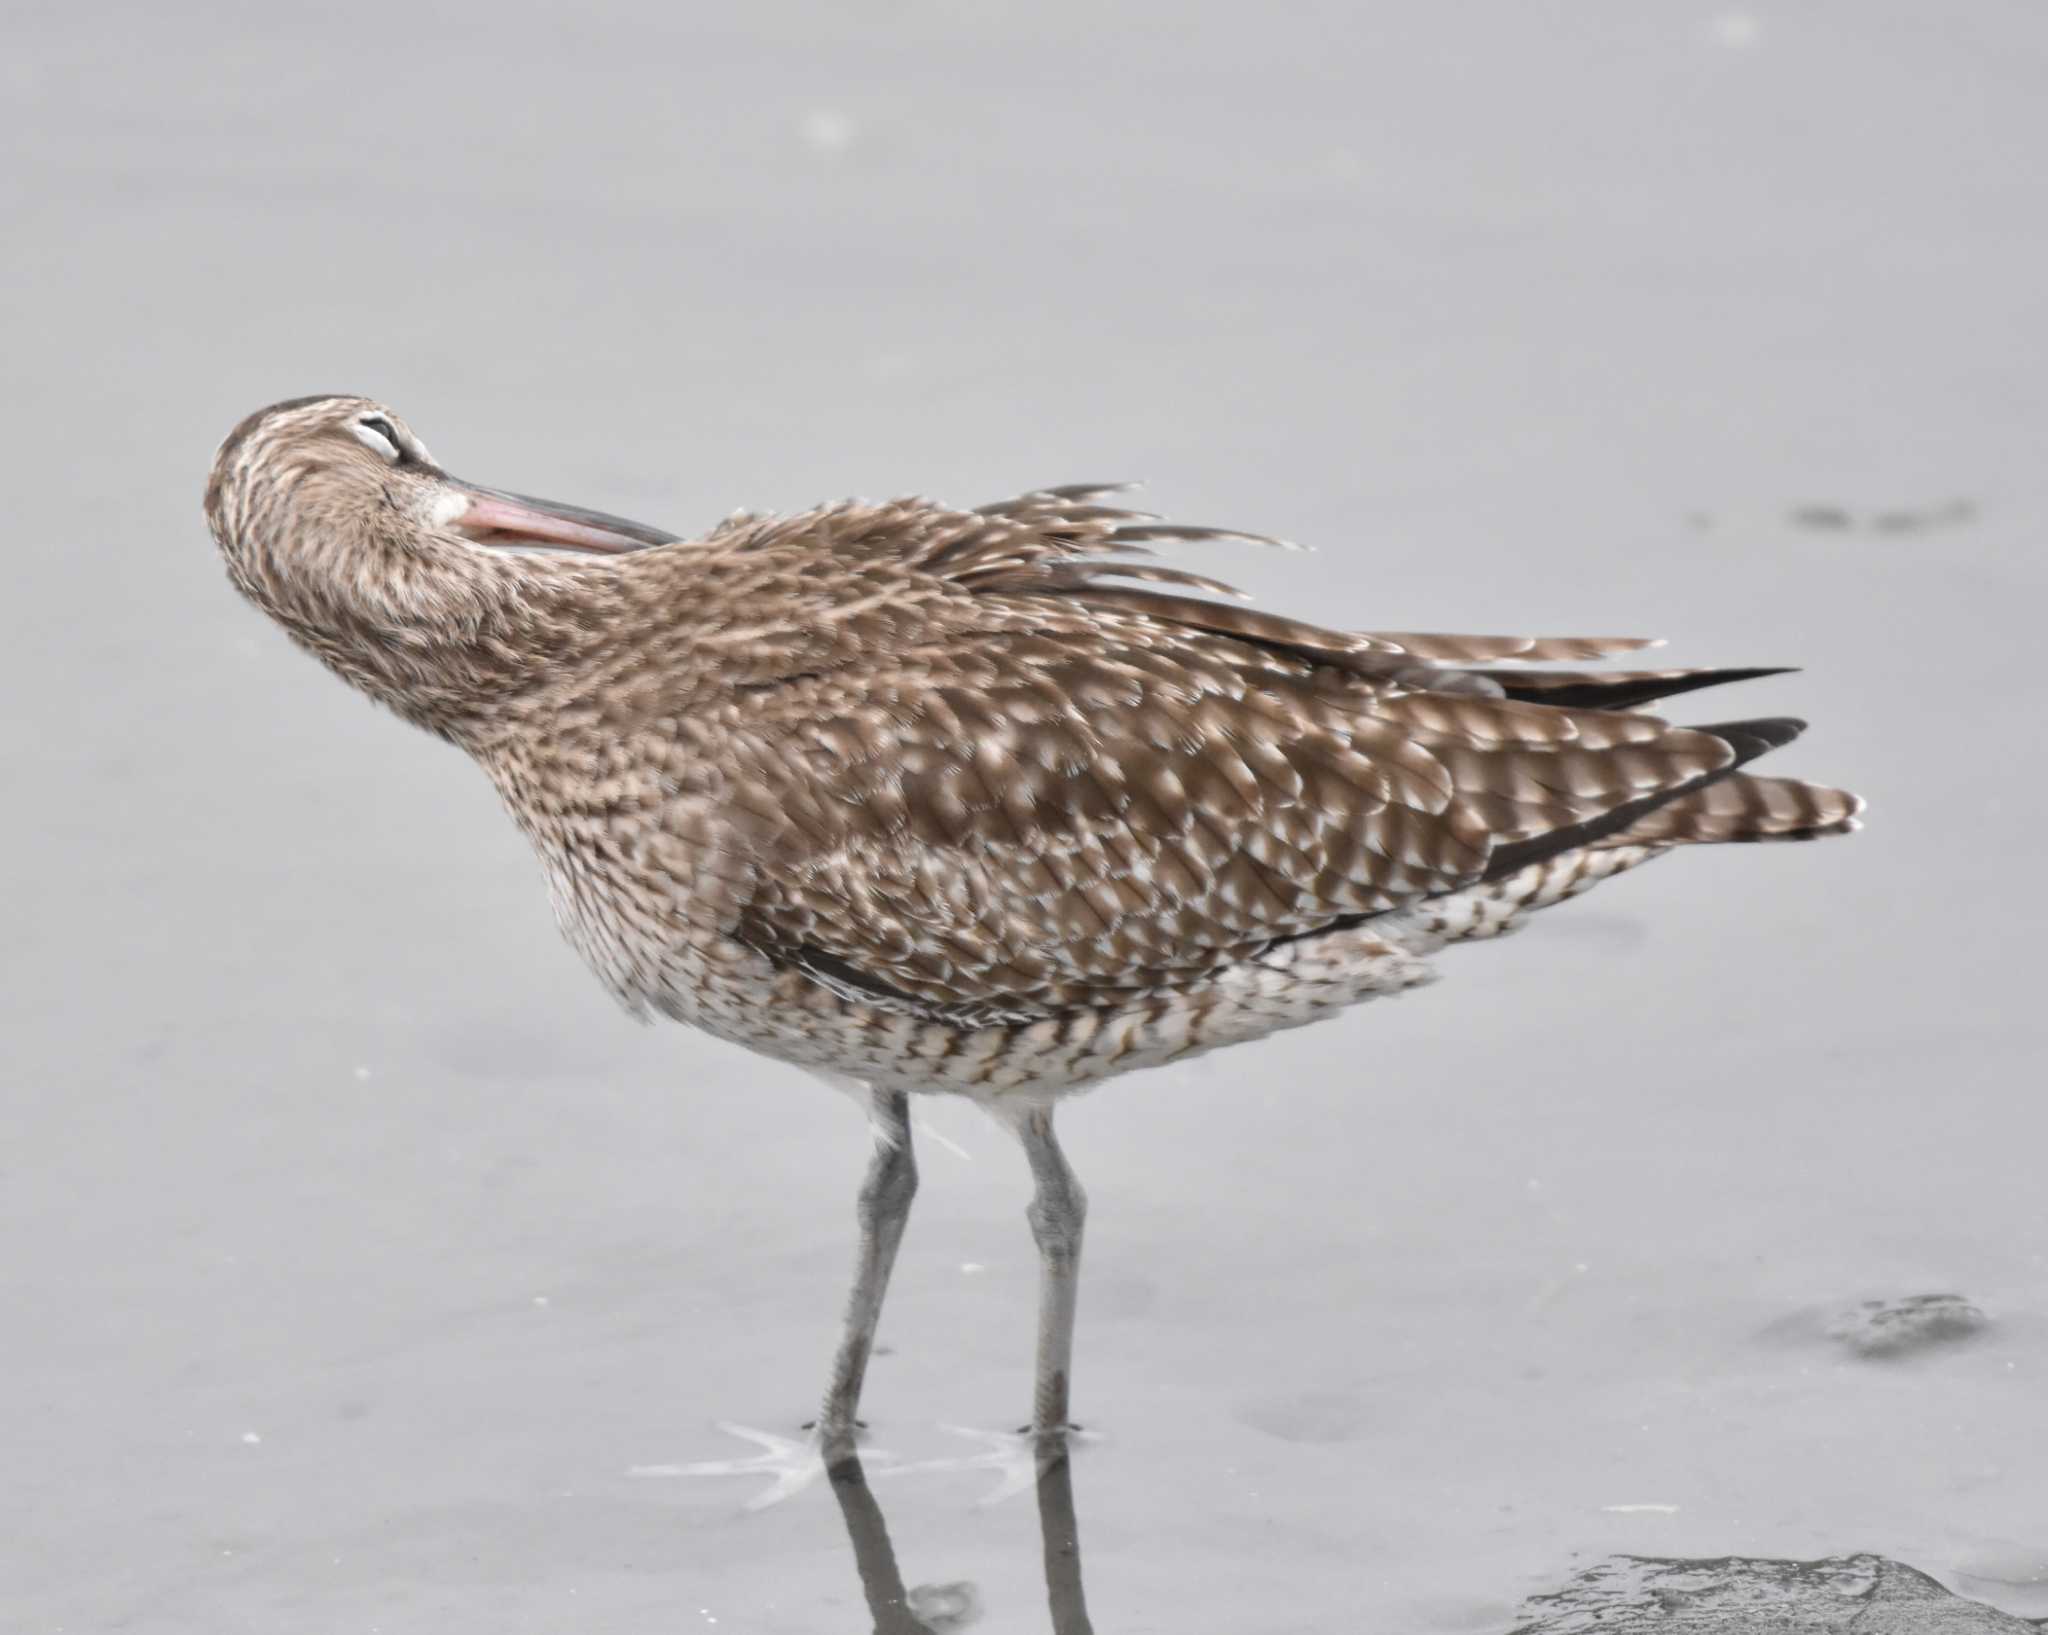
969	802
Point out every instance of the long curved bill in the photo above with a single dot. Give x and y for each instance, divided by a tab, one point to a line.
519	521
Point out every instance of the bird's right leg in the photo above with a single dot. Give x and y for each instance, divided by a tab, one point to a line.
1058	1212
884	1208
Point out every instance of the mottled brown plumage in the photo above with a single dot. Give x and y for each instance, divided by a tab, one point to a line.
972	801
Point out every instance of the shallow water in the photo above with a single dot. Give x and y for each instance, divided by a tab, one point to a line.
356	1250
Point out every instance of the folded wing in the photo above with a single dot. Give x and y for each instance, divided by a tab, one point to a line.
1063	779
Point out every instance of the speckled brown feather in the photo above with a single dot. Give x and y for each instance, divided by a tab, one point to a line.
1034	801
968	799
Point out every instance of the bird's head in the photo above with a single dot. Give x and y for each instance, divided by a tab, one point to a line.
334	519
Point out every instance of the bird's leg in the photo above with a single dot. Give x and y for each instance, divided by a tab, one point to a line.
884	1207
1058	1210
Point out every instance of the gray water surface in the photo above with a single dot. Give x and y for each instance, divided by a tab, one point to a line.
355	1249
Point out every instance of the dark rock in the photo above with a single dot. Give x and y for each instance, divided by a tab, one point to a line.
1890	1328
1735	1595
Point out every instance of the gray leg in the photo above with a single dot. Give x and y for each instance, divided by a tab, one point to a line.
1058	1210
884	1208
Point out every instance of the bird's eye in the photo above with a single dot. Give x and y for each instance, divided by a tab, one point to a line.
378	433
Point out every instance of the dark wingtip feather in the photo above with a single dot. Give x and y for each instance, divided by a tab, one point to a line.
1620	690
1749	739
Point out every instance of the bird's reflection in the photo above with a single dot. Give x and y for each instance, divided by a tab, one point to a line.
1062	1538
937	1609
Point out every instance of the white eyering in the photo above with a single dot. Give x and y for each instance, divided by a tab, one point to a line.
373	438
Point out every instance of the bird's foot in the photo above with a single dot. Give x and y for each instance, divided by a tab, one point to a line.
792	1463
1019	1458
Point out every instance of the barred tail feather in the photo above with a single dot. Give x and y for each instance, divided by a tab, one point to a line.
1744	807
